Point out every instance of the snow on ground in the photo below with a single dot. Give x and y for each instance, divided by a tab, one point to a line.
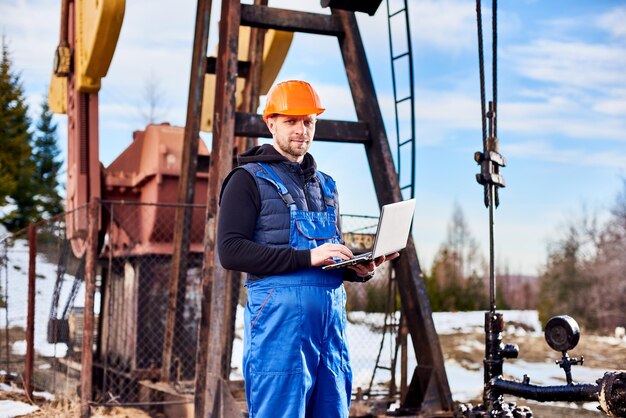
17	271
364	337
471	322
10	409
465	380
11	388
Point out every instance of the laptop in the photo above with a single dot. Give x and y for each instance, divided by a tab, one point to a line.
392	233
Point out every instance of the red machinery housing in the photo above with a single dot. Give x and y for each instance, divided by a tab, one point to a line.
147	172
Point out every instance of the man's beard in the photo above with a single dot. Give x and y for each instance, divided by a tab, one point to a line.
294	149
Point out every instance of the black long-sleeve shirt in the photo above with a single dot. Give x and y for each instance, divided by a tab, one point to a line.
240	205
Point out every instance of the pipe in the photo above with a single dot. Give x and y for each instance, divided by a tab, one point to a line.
583	392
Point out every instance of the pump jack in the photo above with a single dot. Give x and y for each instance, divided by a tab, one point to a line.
82	62
429	391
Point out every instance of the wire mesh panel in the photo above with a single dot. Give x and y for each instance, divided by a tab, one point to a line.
373	313
136	264
56	307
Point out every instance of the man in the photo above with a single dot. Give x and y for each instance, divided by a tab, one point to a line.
279	222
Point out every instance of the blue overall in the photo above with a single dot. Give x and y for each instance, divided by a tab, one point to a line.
295	360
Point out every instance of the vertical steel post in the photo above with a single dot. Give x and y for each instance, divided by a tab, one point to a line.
491	115
4	265
88	314
30	318
437	395
186	183
212	364
404	371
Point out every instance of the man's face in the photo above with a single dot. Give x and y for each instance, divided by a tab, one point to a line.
292	134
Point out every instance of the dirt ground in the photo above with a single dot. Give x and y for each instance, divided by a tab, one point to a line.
599	352
70	408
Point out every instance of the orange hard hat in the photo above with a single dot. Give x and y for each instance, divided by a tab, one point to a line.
293	97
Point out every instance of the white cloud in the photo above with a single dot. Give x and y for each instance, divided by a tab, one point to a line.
562	117
541	150
580	64
613	22
448	24
615	106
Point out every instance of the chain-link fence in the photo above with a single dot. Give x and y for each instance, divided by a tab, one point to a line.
41	319
373	316
136	262
132	302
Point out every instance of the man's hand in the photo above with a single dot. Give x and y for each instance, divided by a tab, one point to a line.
323	255
366	270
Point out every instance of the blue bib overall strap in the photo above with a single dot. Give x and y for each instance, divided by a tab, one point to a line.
268	174
296	362
308	229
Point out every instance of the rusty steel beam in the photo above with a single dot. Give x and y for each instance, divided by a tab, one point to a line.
65	16
243	67
30	316
402	334
91	254
413	294
289	20
252	125
212	361
252	88
186	185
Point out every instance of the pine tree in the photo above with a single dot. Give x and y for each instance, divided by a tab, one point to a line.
47	164
16	166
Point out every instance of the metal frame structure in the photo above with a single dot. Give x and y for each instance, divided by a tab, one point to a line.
429	391
403	57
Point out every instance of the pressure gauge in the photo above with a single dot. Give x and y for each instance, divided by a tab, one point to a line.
562	333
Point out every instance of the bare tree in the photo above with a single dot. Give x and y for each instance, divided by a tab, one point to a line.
456	281
463	244
585	275
152	109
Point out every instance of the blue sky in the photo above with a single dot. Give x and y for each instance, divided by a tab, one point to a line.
561	103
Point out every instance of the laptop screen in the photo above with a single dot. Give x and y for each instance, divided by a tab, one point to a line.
394	227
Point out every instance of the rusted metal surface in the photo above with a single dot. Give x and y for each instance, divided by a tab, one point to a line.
213	360
64	22
252	87
243	67
252	125
613	393
88	314
402	342
148	171
289	20
366	6
63	54
436	392
30	316
83	165
187	182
